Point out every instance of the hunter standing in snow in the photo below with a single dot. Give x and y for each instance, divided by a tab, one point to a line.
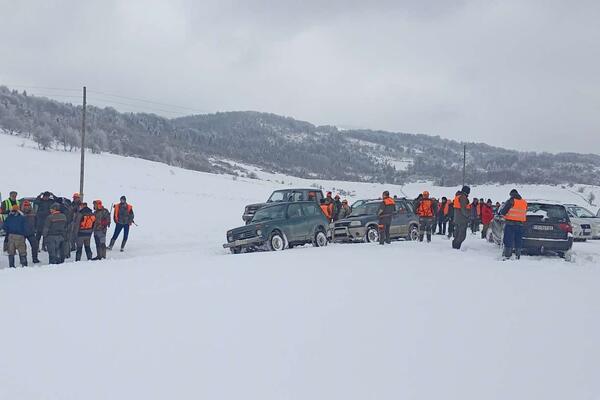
514	211
123	218
461	217
386	211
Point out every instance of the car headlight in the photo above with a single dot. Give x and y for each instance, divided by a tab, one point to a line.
258	232
355	223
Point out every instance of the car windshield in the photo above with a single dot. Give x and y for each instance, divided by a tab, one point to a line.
538	211
278	196
581	212
365	209
269	213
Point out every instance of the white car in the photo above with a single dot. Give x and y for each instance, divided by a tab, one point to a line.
586	225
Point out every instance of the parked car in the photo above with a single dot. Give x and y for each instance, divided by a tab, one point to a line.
279	226
548	229
586	225
362	224
285	195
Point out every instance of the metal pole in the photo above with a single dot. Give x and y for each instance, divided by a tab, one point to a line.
82	168
464	163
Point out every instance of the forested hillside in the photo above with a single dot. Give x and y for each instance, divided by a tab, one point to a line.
212	142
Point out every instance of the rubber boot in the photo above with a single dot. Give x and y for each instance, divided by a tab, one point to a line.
11	262
112	243
507	253
123	245
518	254
428	237
421	236
88	252
103	254
78	254
23	260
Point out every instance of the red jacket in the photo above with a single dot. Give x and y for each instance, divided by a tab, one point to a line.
487	214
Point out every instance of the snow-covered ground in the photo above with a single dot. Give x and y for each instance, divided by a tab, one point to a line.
176	317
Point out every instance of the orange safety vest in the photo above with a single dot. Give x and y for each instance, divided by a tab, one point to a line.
117	208
327	210
424	209
388	201
456	202
446	208
518	212
87	222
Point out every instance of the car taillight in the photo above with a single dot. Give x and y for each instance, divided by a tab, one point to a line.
567	228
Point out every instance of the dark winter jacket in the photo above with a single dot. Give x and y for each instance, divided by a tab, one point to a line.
55	225
43	210
30	222
337	206
461	214
102	221
386	210
474	207
14	224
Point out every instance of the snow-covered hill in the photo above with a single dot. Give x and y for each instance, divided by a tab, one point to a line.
176	317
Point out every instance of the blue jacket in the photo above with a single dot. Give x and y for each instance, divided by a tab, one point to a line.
15	224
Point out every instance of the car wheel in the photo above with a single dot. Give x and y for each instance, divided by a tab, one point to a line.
320	239
276	242
372	235
235	250
413	232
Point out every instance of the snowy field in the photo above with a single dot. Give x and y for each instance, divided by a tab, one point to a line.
177	317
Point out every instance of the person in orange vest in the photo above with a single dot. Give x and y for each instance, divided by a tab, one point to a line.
123	218
461	216
84	227
426	212
386	211
514	211
327	209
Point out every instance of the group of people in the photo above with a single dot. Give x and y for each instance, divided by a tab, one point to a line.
334	208
60	227
458	215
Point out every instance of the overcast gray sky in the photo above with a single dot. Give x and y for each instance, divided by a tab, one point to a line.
524	74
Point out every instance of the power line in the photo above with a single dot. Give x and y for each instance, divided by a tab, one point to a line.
147	101
42	87
136	106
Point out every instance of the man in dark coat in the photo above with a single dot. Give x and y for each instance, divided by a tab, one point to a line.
54	233
461	217
84	225
386	211
31	229
43	203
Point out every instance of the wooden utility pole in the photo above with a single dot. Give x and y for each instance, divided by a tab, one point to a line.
82	168
464	163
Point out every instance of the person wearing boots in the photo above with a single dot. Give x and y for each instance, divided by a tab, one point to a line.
101	225
84	225
425	211
123	217
385	213
30	229
514	211
14	226
487	217
55	233
461	216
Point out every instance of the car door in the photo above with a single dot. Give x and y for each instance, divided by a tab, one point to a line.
314	217
296	223
400	220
